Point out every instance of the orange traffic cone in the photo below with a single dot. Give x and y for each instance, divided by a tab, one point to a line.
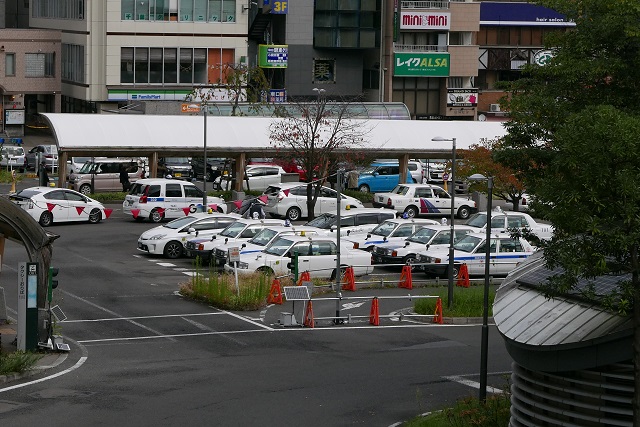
374	315
308	316
405	278
304	277
463	276
275	295
437	318
349	280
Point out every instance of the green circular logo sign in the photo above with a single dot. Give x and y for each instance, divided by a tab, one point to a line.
542	57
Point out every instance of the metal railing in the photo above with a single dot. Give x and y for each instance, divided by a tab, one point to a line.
420	4
419	48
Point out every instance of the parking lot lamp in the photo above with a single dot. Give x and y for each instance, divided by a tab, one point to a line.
204	185
484	343
453	215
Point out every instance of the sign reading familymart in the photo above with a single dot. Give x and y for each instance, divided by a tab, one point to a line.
421	64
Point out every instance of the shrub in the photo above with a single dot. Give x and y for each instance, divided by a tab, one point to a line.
363	197
18	361
467	302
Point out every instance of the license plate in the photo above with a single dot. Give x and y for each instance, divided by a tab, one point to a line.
178	174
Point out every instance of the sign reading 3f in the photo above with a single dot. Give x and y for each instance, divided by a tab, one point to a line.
280	7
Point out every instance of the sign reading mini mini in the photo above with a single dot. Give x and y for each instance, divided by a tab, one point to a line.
425	21
273	56
421	64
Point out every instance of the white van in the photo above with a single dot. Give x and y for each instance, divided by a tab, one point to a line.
160	198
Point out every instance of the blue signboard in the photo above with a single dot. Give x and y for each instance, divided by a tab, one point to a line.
521	14
277	95
280	7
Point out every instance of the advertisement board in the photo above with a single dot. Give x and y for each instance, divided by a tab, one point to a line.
273	56
425	20
409	64
465	97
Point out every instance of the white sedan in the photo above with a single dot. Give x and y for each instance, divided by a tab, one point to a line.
315	254
49	204
260	177
169	239
392	230
505	255
502	221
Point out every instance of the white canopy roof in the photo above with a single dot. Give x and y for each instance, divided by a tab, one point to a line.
121	134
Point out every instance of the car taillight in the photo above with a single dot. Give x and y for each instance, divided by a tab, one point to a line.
201	247
437	260
523	201
394	253
356	245
389	201
143	199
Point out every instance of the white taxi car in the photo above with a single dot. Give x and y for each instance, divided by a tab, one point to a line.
315	254
427	237
391	230
289	200
502	221
352	221
239	231
505	255
169	239
50	204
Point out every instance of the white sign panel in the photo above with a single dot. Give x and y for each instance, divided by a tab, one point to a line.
425	21
22	306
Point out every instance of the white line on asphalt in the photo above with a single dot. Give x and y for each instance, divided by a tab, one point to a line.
198	325
165	264
474	384
152	337
79	363
113	313
249	321
142	317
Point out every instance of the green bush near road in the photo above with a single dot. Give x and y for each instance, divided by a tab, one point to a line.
363	197
467	302
18	361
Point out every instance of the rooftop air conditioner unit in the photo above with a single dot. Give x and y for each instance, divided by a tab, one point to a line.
494	108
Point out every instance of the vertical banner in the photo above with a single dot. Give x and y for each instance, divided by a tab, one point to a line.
27	332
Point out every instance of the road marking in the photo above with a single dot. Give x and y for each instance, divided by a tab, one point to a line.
206	328
113	313
165	264
249	321
152	337
474	384
142	317
79	363
350	305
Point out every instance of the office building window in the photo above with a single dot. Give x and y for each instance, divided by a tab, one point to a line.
58	9
346	24
158	65
10	64
420	94
178	10
72	63
39	65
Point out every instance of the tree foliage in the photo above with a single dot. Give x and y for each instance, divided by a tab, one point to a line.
574	137
318	135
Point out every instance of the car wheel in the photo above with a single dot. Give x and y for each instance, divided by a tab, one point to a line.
46	219
343	271
464	212
267	271
210	176
95	216
173	249
364	188
411	211
85	189
294	214
155	216
410	260
455	273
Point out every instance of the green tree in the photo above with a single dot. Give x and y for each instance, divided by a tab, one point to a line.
314	134
574	135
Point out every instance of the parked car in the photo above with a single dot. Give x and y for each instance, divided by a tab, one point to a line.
103	175
48	153
74	164
424	199
175	168
505	255
315	254
425	238
352	221
169	239
12	157
260	177
391	230
502	221
49	204
158	199
380	176
289	200
215	167
239	231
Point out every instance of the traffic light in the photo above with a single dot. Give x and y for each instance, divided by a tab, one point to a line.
53	282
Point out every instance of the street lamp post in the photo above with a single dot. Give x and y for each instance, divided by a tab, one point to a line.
453	215
204	185
484	343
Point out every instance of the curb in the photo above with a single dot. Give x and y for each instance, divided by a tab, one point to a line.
35	369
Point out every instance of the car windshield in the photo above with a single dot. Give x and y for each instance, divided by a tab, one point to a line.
323	221
384	229
424	235
28	193
88	168
81	160
477	220
263	237
468	243
233	230
369	170
279	246
400	189
178	160
180	222
13	151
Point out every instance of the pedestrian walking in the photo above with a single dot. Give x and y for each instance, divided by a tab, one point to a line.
124	178
44	176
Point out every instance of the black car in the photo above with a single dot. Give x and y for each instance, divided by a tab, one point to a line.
214	167
175	167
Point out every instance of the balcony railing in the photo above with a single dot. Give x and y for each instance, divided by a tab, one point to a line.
419	48
420	4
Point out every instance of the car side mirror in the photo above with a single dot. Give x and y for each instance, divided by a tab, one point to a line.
406	244
244	245
191	230
348	232
368	236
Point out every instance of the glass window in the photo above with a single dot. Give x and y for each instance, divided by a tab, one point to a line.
215	10
10	64
442	238
142	10
348	221
73	197
171	65
141	65
174	190
200	65
440	193
155	65
404	230
423	192
368	219
126	65
127	9
200	11
34	65
192	191
301	249
510	245
186	10
229	10
55	195
186	65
